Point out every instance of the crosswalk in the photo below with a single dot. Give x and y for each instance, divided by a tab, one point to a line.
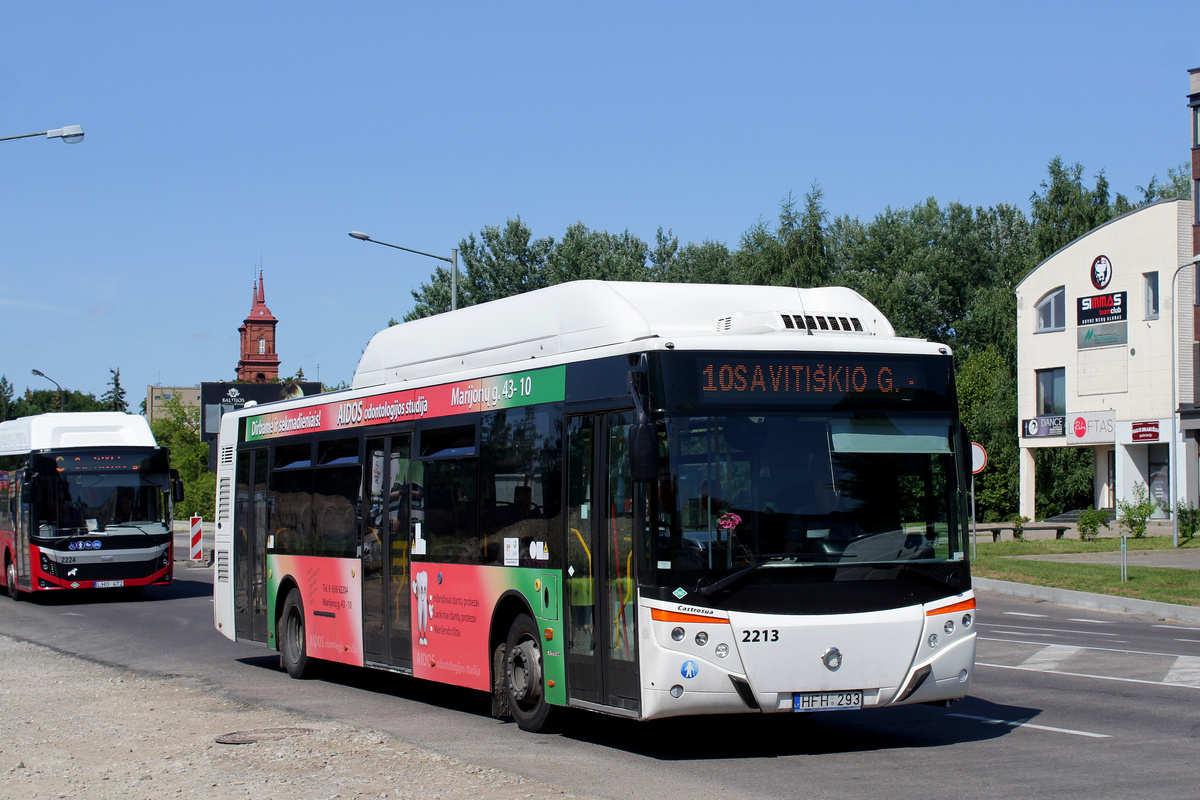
1105	663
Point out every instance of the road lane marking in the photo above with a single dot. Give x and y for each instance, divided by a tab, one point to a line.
1085	647
1187	640
1093	621
1186	670
1087	675
1052	630
1024	614
1050	656
1178	628
1014	724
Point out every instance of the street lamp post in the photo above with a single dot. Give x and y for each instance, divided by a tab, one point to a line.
453	261
41	374
1174	449
71	134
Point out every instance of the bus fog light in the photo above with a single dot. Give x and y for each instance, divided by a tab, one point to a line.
962	676
677	634
722	650
702	638
948	627
677	691
933	640
966	620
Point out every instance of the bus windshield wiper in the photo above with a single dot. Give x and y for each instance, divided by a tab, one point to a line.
795	558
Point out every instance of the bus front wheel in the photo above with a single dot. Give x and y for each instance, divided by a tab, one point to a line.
293	651
524	676
10	578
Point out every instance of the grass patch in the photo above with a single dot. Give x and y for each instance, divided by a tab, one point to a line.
1161	584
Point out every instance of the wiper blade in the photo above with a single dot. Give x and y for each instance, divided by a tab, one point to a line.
734	577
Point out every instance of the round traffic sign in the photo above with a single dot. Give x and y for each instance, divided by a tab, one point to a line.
978	458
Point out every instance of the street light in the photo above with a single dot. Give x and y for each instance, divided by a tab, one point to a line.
453	261
1173	451
41	374
71	134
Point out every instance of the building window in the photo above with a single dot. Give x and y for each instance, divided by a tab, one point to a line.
1151	282
1052	311
1051	392
262	346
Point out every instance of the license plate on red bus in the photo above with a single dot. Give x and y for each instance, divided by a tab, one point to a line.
108	584
827	701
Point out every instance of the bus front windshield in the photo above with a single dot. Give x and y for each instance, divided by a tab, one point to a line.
847	489
98	496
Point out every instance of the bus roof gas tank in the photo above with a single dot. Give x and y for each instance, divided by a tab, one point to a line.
587	315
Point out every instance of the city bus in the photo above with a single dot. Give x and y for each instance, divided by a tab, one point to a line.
86	502
641	499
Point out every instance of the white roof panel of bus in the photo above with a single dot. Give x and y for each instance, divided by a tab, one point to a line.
583	315
74	429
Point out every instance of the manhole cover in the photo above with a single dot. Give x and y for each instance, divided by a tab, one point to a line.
260	735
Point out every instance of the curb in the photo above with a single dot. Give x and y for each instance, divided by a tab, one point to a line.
1101	602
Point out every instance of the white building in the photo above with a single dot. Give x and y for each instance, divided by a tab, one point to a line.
1105	356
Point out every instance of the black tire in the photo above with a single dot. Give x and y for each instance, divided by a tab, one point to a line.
524	677
10	580
293	651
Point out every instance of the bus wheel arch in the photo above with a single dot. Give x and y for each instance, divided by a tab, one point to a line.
10	577
522	670
510	606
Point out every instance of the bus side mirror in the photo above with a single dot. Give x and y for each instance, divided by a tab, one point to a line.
176	486
643	451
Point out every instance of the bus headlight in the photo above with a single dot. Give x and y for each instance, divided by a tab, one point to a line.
948	627
702	638
722	650
677	634
933	640
966	620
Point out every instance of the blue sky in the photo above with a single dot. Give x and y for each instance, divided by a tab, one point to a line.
223	136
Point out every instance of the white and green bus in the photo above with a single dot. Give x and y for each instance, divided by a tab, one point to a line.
642	499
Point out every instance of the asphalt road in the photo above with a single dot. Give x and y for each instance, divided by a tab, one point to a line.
1066	703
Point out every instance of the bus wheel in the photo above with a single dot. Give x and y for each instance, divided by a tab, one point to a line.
293	653
10	578
524	677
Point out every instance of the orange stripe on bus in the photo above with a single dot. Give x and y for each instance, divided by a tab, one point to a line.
674	616
965	605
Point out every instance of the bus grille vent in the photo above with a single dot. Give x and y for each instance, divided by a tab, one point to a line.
223	566
800	322
226	456
223	498
724	324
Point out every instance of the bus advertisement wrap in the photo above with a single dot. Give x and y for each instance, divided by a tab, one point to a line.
498	392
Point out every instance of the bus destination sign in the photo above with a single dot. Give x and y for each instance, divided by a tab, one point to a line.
823	379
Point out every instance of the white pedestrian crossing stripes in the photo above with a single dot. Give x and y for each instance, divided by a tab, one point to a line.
1050	656
1105	663
1186	671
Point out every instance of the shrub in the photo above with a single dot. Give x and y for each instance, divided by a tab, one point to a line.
1018	523
1133	516
1089	523
1187	518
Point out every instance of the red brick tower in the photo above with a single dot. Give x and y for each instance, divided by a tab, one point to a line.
258	363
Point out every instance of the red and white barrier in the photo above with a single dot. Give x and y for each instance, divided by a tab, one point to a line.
196	538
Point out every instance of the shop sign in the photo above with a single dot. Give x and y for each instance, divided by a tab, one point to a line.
1145	431
1092	427
1102	308
1106	335
1040	427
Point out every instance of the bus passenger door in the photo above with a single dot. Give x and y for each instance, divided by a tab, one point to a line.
251	523
386	602
600	573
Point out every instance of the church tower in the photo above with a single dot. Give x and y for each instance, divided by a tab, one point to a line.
259	362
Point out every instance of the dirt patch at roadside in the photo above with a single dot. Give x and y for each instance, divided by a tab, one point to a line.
79	730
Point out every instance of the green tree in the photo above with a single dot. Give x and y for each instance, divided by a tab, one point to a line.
178	429
502	262
987	398
114	398
585	254
794	253
44	401
1066	209
6	395
1177	184
1065	479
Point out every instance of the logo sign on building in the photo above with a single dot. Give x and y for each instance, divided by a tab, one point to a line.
1040	427
1093	427
1145	431
1101	272
1102	308
1105	335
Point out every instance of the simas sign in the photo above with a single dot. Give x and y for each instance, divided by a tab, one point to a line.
1102	308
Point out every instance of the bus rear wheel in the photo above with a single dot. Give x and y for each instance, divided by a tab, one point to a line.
293	651
10	579
524	676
